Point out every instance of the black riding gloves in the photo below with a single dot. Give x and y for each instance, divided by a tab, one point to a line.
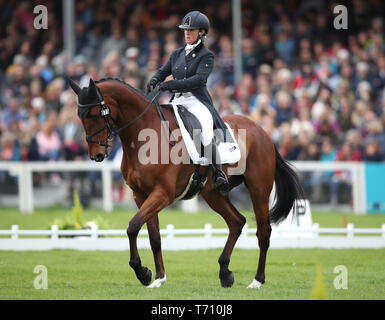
163	86
151	85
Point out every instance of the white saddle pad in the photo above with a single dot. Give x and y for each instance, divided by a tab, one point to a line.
229	152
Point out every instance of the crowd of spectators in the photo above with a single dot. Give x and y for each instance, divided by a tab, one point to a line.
317	91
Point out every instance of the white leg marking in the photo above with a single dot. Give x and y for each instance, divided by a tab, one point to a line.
255	284
157	282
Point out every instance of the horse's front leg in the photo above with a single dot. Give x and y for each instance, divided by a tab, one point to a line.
156	201
155	241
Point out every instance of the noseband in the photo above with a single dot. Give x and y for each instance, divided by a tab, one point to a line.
109	121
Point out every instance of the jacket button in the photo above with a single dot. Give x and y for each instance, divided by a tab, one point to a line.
185	68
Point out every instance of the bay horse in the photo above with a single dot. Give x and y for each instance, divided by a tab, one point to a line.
110	106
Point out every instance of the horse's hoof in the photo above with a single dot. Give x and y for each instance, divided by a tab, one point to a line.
255	284
157	282
227	280
145	276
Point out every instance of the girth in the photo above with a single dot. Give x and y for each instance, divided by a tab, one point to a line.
195	185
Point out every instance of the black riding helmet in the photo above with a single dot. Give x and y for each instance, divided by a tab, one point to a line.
195	20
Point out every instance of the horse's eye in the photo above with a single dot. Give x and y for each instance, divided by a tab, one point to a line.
93	116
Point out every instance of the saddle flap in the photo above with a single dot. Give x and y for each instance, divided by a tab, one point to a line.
190	121
229	151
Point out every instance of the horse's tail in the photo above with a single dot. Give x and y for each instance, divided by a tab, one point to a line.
287	189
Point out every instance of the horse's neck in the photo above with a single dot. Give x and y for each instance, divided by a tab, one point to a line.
131	105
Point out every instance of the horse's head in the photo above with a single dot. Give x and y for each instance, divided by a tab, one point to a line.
97	118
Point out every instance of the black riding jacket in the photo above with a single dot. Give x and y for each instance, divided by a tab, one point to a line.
190	75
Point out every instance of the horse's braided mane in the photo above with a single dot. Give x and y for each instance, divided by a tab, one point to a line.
124	83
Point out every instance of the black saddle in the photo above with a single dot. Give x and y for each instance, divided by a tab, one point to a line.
191	123
193	126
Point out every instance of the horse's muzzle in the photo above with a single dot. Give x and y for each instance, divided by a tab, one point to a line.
99	157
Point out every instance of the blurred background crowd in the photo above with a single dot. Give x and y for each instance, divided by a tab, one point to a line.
318	91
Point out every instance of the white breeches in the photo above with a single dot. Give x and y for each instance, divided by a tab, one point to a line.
198	109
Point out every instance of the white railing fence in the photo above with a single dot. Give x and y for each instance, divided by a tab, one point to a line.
24	170
191	239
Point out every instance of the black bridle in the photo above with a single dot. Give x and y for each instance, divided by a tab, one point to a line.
109	121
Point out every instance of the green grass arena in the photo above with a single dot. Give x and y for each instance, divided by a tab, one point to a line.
290	273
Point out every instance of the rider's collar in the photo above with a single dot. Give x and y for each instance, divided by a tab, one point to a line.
191	47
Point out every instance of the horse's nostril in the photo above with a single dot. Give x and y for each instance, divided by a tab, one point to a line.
99	157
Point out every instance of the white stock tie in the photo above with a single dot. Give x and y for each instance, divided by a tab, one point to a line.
190	47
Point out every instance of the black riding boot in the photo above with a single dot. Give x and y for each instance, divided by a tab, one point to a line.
221	183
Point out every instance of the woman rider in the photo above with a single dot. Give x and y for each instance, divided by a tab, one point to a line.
190	66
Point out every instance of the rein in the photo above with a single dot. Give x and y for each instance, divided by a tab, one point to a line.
110	122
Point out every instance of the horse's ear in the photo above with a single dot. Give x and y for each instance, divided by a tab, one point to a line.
92	88
74	86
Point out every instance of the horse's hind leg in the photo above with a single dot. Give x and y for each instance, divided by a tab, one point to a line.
261	210
263	234
235	222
